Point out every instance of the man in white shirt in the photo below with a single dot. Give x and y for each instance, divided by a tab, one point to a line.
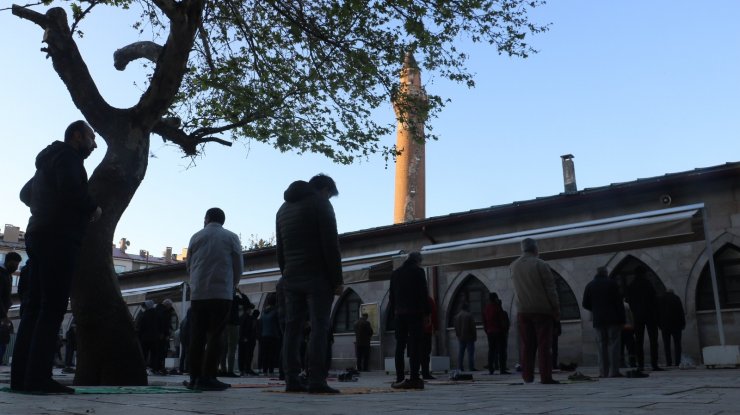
215	266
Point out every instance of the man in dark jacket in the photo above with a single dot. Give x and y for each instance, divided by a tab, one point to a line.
642	299
467	334
363	334
61	208
495	325
408	299
672	321
602	298
311	264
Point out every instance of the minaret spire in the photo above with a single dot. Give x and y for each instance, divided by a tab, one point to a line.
410	200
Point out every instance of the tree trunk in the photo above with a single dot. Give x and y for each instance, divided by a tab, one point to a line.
108	349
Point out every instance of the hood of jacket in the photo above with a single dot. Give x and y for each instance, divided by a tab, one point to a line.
48	155
298	190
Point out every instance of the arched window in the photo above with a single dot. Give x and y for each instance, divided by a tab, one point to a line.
569	307
347	312
727	266
473	292
624	273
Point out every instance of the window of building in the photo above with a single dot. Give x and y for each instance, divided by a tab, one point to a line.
569	306
727	266
473	292
347	312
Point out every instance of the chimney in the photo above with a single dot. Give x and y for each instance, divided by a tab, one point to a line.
168	254
11	234
569	174
123	244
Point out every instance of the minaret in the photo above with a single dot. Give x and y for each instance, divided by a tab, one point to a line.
410	201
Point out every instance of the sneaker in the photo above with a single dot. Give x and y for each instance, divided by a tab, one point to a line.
413	384
398	383
550	382
209	385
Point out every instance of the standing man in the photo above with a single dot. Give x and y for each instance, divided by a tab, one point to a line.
363	334
538	307
215	266
467	334
643	301
61	208
311	264
12	261
672	321
408	298
601	297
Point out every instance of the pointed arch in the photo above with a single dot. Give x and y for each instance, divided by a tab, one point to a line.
471	291
727	265
570	309
346	312
624	273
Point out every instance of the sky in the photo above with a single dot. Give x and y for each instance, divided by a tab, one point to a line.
631	88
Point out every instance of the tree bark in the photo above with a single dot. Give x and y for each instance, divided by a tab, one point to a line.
108	349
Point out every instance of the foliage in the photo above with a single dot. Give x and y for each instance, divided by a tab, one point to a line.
307	75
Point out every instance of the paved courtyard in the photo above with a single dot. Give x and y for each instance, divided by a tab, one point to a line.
693	391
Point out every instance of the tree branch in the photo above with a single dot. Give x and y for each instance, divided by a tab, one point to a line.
169	130
137	50
168	7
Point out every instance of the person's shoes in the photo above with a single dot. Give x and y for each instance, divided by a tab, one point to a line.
190	384
617	375
505	372
413	384
658	369
397	384
68	369
428	377
473	370
209	385
218	382
550	382
322	389
51	387
230	375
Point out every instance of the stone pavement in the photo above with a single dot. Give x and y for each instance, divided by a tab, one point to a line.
692	391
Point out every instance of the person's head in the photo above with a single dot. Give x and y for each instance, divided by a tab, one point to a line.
529	245
148	304
414	258
493	297
215	215
255	313
324	185
167	303
465	307
80	136
12	261
365	316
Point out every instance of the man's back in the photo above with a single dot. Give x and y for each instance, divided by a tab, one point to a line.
409	290
306	237
534	285
214	255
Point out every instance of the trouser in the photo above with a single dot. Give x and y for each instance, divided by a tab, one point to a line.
409	329
628	343
535	332
496	352
362	353
608	340
307	301
184	356
232	342
652	330
426	353
69	353
676	335
209	319
53	260
462	347
148	348
246	354
270	347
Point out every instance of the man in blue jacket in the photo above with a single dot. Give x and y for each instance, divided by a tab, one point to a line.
61	208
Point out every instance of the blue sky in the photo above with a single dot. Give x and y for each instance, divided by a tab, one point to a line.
632	88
